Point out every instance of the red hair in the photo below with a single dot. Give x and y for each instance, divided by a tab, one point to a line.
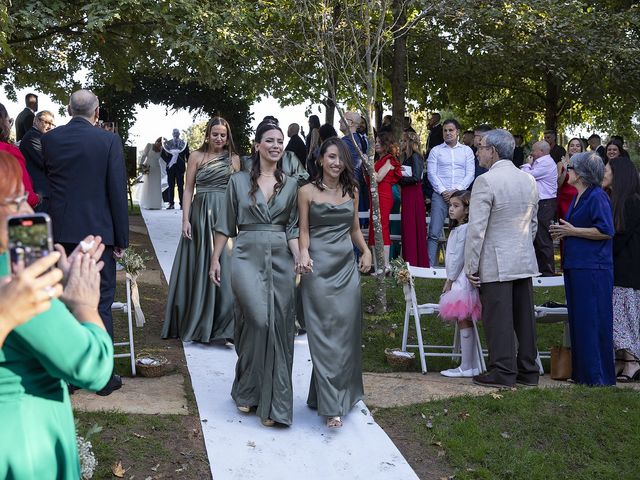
10	175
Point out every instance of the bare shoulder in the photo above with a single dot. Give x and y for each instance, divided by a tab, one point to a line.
196	157
306	191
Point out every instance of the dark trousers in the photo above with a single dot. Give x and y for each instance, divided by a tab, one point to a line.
175	175
543	243
107	285
507	307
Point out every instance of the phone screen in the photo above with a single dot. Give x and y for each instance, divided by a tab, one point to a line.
30	238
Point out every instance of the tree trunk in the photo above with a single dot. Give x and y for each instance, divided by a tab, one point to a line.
551	103
377	116
329	116
398	77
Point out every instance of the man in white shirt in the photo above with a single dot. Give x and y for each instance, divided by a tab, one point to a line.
450	167
541	166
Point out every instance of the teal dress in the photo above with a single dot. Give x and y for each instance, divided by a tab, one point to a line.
332	309
262	277
196	309
37	432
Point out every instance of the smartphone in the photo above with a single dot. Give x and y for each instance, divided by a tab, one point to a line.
30	238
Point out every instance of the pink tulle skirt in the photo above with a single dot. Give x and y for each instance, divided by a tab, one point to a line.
460	304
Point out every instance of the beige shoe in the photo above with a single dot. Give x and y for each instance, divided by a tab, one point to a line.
334	422
268	422
244	408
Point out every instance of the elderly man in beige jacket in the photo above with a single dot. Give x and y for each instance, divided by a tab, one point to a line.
500	260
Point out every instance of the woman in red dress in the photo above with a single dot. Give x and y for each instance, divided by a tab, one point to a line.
413	219
566	192
388	173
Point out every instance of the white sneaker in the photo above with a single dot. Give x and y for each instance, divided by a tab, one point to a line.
459	373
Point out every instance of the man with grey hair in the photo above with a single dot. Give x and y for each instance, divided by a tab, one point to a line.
349	126
543	168
175	152
86	172
499	258
31	148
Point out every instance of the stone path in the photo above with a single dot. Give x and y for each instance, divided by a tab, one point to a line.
239	447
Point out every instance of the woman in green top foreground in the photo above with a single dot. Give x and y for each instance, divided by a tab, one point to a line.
66	343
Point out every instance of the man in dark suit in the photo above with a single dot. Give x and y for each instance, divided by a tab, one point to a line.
296	144
24	121
31	148
88	185
176	153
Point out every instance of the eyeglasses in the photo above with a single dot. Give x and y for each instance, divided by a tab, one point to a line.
17	201
47	122
570	167
485	146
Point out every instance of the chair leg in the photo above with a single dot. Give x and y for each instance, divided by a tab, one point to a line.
423	361
405	331
481	362
539	363
130	326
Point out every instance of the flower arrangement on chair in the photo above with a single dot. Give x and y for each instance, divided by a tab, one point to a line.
133	264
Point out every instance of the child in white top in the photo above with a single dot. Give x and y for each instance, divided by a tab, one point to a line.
460	301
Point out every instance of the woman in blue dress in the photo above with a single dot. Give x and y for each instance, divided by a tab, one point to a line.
587	232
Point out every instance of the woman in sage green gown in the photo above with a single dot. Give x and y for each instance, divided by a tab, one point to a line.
197	310
261	209
330	284
37	431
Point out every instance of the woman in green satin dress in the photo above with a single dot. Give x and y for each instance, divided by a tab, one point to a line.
197	310
330	285
261	212
65	343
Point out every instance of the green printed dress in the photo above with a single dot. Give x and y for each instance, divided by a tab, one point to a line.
262	277
196	309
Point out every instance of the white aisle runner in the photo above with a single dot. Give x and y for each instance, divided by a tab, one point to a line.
239	447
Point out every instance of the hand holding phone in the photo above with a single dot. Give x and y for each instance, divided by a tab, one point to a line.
30	238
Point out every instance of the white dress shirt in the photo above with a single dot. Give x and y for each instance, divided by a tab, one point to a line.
450	168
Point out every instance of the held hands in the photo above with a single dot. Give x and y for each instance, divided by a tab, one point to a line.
446	195
304	263
186	230
474	280
447	286
561	230
364	264
30	292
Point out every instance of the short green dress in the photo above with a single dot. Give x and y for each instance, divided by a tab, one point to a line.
262	278
196	309
37	433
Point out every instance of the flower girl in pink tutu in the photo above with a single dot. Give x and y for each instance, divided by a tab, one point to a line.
460	301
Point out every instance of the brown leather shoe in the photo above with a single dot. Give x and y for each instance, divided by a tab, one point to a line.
487	380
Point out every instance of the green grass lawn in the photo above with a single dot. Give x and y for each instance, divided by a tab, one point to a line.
559	433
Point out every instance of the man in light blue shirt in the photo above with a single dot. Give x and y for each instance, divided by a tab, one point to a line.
450	167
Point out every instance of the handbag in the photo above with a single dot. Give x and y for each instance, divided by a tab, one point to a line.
560	363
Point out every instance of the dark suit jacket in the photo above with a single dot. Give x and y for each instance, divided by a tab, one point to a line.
24	121
88	183
296	145
183	156
436	137
31	148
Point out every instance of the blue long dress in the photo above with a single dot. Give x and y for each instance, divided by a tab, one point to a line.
588	278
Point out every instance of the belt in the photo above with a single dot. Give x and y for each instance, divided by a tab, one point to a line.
210	189
261	227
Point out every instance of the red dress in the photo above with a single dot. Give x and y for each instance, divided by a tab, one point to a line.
566	194
386	197
413	215
32	198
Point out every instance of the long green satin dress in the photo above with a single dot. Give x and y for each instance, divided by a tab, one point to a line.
262	279
332	310
196	309
37	433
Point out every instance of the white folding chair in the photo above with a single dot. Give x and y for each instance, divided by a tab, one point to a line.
416	310
551	314
126	308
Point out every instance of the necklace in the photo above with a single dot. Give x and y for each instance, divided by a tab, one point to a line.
267	175
324	185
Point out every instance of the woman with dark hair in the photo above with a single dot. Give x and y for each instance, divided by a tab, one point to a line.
196	309
329	227
260	210
614	149
413	218
588	272
325	131
5	145
388	173
64	343
621	179
566	192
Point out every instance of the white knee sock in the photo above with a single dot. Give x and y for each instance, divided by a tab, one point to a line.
468	349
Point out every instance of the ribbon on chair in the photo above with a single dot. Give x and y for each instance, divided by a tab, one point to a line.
135	300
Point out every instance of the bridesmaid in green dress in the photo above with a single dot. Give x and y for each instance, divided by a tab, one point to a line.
63	344
261	212
330	286
197	310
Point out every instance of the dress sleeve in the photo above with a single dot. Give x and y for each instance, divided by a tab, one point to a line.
292	224
601	215
456	256
228	215
78	353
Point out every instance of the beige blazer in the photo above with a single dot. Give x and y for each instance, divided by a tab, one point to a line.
502	225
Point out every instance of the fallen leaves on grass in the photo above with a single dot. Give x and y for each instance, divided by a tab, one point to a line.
155	469
505	435
463	415
118	470
496	396
138	435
